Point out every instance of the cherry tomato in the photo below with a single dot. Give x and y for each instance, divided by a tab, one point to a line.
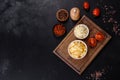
99	36
92	42
86	5
96	12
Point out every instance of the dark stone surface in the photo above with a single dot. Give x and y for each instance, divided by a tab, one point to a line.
27	41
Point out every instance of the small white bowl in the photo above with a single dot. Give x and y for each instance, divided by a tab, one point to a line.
77	49
81	31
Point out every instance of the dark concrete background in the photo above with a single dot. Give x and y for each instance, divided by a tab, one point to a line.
27	41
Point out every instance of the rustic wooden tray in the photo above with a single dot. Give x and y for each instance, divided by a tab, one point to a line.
80	65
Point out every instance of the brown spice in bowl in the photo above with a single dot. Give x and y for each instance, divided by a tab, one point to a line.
62	15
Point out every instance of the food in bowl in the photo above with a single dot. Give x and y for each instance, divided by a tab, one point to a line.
62	15
81	31
59	30
77	49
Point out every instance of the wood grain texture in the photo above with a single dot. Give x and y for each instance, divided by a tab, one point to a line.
80	65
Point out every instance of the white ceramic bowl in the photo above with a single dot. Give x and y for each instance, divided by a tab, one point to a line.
81	31
77	49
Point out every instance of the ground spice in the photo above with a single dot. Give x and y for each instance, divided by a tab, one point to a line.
62	15
59	30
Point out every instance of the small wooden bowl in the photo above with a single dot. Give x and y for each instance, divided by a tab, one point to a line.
62	15
62	29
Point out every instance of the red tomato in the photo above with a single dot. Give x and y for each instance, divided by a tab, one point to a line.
96	12
99	36
92	42
86	5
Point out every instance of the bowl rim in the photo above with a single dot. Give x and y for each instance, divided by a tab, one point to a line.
82	25
85	46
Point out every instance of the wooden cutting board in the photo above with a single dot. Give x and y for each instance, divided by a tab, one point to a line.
80	65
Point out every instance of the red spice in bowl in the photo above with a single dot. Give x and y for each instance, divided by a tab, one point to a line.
59	30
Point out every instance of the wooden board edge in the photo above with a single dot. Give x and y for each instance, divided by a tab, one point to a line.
93	57
97	26
63	40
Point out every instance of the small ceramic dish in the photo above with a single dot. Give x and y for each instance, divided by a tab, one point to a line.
81	31
77	49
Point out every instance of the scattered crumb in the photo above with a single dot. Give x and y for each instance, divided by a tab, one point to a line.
108	18
98	74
